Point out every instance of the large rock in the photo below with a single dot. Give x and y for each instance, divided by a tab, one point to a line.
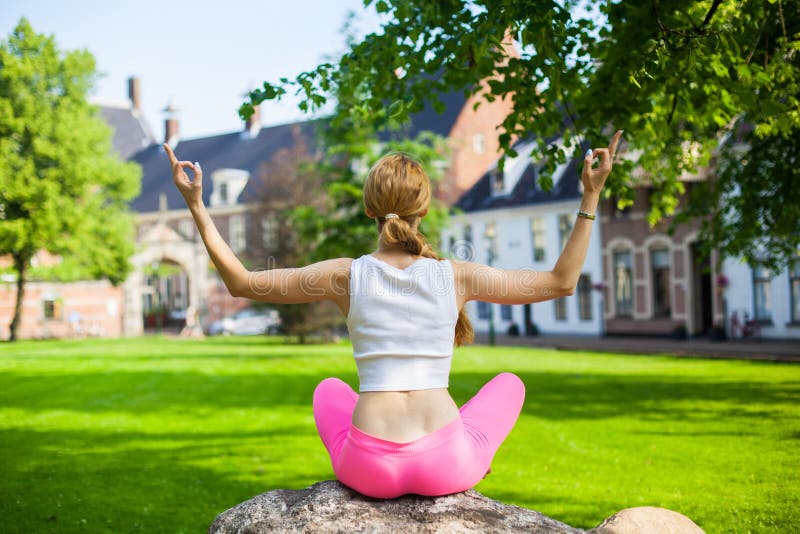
328	507
647	519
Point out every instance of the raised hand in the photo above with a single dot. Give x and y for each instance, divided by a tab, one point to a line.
594	178
192	190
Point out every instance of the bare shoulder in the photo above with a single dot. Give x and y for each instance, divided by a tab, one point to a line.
336	268
466	269
335	263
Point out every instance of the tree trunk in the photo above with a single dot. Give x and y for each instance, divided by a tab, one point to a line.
21	265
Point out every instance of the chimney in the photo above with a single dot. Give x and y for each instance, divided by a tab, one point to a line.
134	93
253	124
171	124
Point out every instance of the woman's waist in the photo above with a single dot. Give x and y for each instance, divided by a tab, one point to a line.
404	416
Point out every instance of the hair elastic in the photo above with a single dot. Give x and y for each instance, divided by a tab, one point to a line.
391	216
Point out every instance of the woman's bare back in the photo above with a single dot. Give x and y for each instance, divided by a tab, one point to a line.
403	416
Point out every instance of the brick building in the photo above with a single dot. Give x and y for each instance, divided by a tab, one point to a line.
657	283
171	267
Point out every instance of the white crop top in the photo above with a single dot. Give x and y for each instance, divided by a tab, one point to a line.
402	323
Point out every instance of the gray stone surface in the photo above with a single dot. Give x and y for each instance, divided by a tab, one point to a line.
330	507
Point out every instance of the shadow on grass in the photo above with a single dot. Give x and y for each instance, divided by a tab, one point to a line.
564	396
95	481
139	392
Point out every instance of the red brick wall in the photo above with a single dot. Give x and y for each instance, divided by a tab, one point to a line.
467	165
99	304
632	226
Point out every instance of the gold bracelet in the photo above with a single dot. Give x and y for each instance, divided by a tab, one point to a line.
585	215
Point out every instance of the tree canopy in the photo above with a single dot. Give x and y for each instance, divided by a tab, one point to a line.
62	189
685	79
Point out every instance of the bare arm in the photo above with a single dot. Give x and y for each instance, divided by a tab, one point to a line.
325	280
521	286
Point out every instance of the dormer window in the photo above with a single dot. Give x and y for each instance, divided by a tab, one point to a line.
227	184
498	182
503	182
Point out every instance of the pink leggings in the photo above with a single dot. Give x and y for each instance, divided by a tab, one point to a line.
451	459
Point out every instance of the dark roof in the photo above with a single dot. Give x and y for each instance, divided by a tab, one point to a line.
227	151
526	191
131	132
237	151
430	120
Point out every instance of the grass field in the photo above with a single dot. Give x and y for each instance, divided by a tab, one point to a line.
161	435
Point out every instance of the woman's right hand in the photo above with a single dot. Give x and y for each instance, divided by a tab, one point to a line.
192	190
594	178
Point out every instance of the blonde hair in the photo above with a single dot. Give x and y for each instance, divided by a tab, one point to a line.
398	184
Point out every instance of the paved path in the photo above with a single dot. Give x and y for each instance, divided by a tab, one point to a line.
762	349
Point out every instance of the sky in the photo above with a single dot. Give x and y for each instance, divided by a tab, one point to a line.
201	56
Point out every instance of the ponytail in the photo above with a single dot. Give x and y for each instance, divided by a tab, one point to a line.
398	232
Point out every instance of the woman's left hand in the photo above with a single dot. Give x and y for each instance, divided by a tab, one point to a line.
594	178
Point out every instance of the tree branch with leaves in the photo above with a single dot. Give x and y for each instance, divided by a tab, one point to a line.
678	76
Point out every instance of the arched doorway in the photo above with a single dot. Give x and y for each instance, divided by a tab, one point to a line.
165	296
170	274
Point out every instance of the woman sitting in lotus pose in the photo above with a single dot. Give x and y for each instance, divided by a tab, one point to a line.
402	432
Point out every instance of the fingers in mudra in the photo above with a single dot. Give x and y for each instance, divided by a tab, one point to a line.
595	177
190	188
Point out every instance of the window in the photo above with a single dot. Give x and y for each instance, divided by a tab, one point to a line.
498	182
794	283
237	232
468	233
660	264
560	308
51	308
623	284
269	232
585	297
762	305
490	235
505	312
564	228
227	185
483	310
537	238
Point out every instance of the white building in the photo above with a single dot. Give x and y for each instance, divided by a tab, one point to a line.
508	217
772	299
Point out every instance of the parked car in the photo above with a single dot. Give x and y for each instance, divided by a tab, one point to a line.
247	322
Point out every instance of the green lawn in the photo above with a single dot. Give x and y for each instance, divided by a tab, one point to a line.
160	435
